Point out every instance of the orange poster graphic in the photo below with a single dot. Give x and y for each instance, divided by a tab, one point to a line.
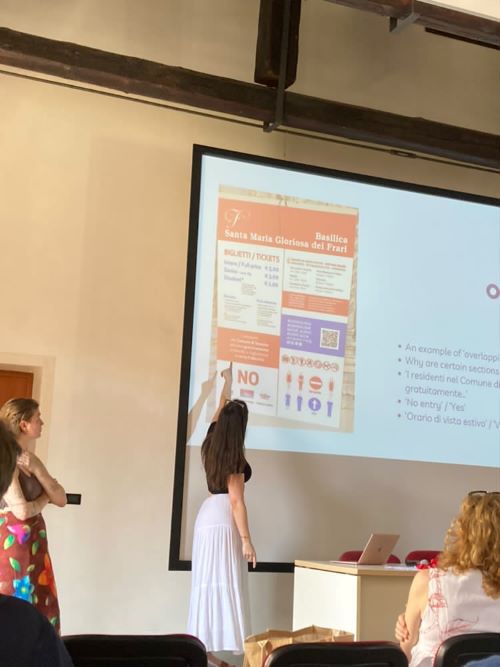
284	310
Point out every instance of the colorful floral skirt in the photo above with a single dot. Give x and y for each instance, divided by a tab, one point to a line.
25	567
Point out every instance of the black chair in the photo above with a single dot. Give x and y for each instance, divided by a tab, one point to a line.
461	649
328	654
136	651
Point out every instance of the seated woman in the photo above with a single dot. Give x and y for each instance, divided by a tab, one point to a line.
462	593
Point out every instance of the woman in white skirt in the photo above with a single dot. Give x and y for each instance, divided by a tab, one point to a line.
219	610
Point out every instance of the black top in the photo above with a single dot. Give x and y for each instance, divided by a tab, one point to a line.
30	486
27	638
247	470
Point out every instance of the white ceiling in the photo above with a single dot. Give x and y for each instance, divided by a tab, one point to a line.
485	8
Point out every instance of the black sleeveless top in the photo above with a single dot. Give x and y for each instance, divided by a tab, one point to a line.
247	470
30	487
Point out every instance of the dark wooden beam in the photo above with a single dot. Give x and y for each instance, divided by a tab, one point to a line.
443	19
462	39
237	98
402	132
269	42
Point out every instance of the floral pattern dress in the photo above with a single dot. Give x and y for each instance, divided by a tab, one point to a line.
456	605
25	565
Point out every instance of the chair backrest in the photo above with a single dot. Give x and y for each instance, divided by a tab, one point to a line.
350	555
136	650
393	559
322	654
417	555
461	649
355	556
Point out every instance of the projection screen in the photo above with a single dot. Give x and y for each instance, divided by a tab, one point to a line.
362	320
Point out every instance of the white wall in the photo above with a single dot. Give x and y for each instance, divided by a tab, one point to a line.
94	214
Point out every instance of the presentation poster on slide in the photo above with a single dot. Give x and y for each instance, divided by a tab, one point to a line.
359	317
285	305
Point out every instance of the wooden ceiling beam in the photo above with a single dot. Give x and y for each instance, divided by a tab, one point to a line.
247	100
443	19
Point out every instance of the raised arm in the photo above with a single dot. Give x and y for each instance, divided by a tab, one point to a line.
417	601
32	464
194	413
236	490
225	395
21	508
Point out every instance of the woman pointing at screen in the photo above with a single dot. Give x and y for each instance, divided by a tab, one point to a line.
222	546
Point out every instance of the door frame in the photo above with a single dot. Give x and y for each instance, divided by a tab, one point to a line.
43	368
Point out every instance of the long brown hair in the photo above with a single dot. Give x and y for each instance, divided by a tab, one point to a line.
223	450
9	450
473	540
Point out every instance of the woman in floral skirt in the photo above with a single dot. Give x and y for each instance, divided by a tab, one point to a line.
25	565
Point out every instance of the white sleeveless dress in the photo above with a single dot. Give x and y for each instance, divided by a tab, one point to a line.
219	612
456	605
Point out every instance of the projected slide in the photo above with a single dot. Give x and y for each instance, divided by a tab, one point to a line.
362	318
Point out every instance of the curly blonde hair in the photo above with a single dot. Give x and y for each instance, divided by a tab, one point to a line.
473	540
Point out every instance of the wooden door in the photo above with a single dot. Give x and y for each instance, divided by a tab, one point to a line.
15	384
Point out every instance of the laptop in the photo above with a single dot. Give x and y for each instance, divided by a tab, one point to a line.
377	550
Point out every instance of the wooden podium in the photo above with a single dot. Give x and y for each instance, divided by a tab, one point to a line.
362	599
